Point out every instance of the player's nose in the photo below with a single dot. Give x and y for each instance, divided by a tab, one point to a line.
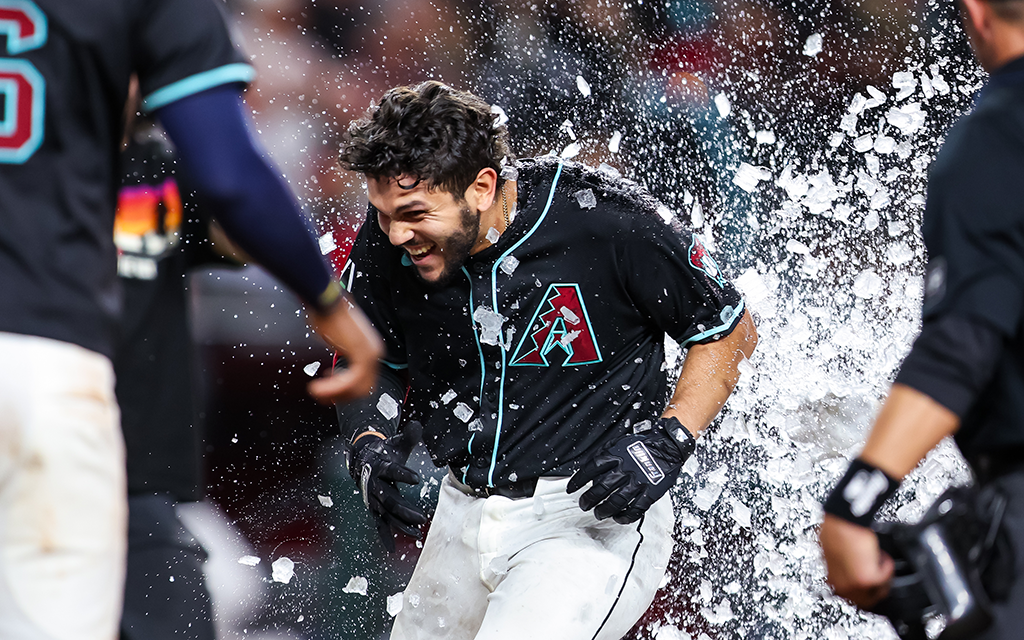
399	233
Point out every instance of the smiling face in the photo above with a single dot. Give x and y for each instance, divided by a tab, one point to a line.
437	231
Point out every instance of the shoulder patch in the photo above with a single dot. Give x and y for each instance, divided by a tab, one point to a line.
702	261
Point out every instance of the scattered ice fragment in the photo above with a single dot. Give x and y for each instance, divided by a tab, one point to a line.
569	316
513	477
907	118
538	505
570	151
899	254
746	368
752	286
327	244
812	46
665	213
740	512
609	170
502	117
356	584
490	324
880	199
583	86
509	173
836	139
567	338
283	570
765	137
867	284
249	561
884	145
311	368
448	396
671	633
326	501
388	407
476	425
395	603
509	264
877	98
613	144
300	618
857	104
904	82
705	497
463	412
493	235
567	127
863	143
938	82
795	246
722	613
747	176
498	565
586	198
723	105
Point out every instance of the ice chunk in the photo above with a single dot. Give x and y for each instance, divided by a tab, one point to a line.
671	633
571	151
567	128
327	244
513	477
723	105
509	264
884	145
747	176
493	235
877	98
509	173
326	501
938	82
586	198
904	82
740	512
476	425
848	123
867	284
665	213
907	118
746	368
863	143
609	170
490	324
448	396
765	137
583	86
752	286
812	46
538	506
697	216
501	118
836	139
463	412
283	570
356	584
721	614
388	407
395	603
498	565
795	246
857	104
613	144
705	497
311	368
569	316
880	199
249	561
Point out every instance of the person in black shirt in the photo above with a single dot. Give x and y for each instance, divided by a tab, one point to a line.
965	373
527	305
66	68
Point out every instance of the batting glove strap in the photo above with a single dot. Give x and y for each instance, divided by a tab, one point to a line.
634	472
860	493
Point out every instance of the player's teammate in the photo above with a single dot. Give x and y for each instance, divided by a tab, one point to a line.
965	372
528	313
65	70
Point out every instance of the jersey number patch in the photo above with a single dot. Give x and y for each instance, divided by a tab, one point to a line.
560	322
22	88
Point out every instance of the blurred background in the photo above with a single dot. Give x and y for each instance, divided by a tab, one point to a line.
711	104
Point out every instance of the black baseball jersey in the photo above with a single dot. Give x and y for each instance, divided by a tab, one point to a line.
973	229
551	342
65	75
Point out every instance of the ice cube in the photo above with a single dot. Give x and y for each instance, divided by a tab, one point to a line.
904	82
857	104
812	46
538	506
463	412
283	570
356	584
567	128
249	561
490	325
867	284
747	176
448	396
509	173
616	140
513	477
311	368
877	98
746	368
502	117
493	235
326	501
723	105
509	264
697	216
395	603
571	151
476	425
498	565
863	143
795	246
327	243
569	316
907	118
388	407
586	198
582	85
884	145
765	137
740	513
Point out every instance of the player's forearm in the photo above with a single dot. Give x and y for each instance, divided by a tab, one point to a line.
709	375
909	425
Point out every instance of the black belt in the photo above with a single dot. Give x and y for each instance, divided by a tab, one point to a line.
520	489
993	464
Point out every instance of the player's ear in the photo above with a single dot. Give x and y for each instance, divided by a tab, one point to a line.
977	16
484	189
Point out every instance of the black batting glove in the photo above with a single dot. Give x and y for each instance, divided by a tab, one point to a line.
376	465
633	472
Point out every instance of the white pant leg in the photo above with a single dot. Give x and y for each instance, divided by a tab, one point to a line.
63	501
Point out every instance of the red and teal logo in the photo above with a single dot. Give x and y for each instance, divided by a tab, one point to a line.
701	260
560	330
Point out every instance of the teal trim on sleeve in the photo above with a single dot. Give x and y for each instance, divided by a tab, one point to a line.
396	367
229	73
728	323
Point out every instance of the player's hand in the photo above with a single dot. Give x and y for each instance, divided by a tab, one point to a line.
345	328
634	472
376	465
857	568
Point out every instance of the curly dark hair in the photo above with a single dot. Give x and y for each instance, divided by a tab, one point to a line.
431	132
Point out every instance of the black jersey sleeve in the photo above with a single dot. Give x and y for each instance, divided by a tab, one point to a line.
182	47
673	280
367	277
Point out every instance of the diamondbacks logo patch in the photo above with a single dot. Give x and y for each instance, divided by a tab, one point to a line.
702	261
560	323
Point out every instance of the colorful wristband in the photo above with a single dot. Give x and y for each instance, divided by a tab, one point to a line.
860	493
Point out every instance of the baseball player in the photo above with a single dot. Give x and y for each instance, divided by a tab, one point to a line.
65	71
526	306
964	375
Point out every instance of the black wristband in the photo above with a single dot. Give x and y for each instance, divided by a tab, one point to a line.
860	493
679	434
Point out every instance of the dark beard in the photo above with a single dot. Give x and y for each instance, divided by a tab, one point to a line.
456	248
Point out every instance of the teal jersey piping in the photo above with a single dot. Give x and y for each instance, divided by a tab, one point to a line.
483	365
229	73
737	312
494	305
